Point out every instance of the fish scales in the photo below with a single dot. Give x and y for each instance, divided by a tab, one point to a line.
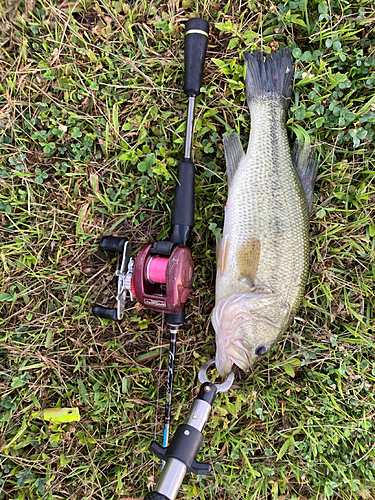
266	201
266	228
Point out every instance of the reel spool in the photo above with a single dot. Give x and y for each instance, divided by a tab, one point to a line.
163	282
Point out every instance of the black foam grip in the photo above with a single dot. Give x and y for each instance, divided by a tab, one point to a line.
155	495
112	244
105	312
195	53
183	205
180	235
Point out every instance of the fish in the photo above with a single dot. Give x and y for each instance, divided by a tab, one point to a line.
263	255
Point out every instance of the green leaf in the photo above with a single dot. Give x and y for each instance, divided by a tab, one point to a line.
219	62
117	6
142	166
301	134
328	490
289	369
76	133
249	36
17	382
283	449
227	26
295	19
361	133
253	472
4	297
8	403
82	391
181	128
306	56
233	43
322	8
319	121
300	113
216	230
224	66
336	46
22	477
40	484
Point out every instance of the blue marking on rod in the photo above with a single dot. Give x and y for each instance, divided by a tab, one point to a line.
165	438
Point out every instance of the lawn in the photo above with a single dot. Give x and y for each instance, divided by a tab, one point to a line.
92	120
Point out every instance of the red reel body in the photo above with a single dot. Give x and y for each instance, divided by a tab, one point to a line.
174	275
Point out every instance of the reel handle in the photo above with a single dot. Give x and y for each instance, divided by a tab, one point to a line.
112	244
196	41
105	312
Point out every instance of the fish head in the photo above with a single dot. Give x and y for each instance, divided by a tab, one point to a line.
247	325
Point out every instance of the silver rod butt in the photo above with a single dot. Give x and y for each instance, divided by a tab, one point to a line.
171	478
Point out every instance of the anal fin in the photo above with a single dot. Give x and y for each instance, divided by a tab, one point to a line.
222	248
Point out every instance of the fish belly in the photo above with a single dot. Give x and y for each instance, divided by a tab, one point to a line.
266	202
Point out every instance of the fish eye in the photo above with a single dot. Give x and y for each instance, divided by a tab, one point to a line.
261	350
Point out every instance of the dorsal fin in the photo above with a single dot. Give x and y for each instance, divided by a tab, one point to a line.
233	154
306	165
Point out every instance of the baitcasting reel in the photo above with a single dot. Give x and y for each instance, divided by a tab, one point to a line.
160	278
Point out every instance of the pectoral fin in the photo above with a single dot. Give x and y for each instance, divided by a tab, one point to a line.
306	165
233	154
248	260
222	247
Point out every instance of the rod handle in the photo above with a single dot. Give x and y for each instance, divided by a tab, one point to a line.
155	495
183	204
196	41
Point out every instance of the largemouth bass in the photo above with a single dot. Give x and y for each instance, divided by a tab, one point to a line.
263	256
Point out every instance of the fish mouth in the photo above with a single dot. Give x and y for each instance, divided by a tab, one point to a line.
240	354
236	353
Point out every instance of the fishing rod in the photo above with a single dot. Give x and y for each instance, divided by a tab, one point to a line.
161	275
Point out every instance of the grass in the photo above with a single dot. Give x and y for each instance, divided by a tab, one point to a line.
92	118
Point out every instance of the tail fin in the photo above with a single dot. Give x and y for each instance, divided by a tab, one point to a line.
267	74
